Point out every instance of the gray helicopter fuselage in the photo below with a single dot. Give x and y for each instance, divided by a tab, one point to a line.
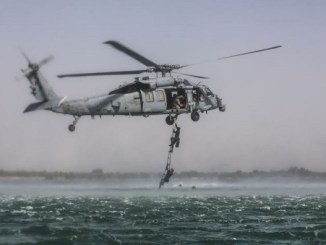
165	95
150	97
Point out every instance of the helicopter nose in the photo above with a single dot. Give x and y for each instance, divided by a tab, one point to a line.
220	105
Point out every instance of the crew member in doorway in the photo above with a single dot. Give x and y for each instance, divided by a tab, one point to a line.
178	101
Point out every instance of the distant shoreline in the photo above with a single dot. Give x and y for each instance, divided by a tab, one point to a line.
296	173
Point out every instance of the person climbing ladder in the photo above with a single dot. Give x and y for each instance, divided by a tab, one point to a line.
175	141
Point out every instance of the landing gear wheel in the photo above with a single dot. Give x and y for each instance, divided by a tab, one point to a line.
195	116
71	128
169	120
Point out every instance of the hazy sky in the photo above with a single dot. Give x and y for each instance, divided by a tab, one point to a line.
275	117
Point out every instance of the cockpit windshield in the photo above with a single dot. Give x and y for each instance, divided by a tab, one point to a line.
186	82
208	91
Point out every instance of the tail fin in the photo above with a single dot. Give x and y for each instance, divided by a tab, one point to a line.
40	88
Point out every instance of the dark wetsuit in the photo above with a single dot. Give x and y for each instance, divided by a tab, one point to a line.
176	139
168	175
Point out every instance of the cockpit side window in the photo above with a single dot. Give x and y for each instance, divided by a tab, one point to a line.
197	95
149	96
160	95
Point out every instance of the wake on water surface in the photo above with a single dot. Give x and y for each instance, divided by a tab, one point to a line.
53	212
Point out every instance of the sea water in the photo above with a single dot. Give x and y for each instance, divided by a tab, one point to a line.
37	211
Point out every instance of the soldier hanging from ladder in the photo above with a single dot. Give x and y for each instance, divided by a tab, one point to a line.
175	141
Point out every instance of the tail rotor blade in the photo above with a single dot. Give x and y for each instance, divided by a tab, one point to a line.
46	60
25	56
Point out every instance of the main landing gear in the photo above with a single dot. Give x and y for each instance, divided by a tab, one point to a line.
170	119
72	126
195	116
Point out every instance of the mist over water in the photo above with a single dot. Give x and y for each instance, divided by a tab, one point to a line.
34	187
134	211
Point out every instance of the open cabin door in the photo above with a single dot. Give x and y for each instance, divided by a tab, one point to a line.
176	99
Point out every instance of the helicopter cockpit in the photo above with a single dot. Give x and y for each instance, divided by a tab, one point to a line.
208	91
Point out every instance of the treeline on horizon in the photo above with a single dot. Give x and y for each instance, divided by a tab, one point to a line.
293	172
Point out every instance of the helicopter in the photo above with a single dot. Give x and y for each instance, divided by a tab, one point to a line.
163	94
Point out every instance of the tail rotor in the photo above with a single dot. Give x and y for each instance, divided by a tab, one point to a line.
46	60
35	66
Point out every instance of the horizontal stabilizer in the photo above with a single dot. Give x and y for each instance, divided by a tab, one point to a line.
34	106
43	105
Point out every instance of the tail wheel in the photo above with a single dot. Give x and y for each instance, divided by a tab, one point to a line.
169	120
72	126
195	116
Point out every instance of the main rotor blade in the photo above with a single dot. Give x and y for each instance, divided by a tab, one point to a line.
190	75
102	73
231	56
131	53
251	52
